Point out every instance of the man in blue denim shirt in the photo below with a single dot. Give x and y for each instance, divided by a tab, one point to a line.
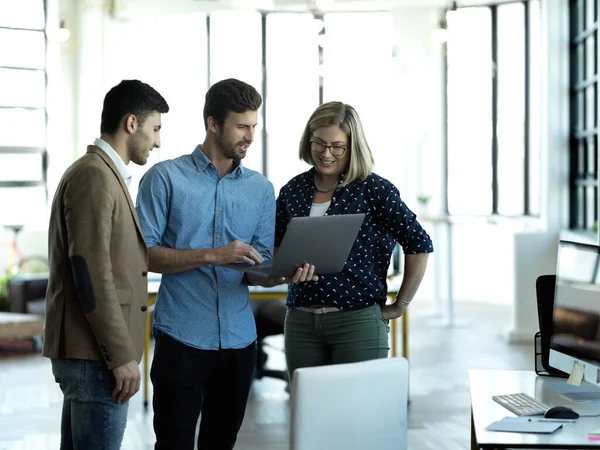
199	212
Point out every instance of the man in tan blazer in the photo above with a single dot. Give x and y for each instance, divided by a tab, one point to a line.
97	291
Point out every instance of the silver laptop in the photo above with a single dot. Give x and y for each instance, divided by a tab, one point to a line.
324	241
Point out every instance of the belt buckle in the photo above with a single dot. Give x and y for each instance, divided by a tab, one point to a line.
320	310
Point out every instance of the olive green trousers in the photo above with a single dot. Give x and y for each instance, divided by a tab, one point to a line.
334	338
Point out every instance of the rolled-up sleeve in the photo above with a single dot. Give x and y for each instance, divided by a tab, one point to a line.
152	205
402	223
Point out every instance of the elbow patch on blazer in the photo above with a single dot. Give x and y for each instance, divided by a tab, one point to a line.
83	284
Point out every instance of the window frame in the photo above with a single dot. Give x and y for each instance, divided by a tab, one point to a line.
21	150
495	188
583	133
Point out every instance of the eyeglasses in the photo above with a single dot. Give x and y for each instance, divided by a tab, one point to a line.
334	149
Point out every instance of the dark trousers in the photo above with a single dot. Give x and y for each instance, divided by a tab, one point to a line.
188	381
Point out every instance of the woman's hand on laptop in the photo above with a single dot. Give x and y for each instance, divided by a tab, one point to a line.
304	273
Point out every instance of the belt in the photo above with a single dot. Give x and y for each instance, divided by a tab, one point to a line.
318	310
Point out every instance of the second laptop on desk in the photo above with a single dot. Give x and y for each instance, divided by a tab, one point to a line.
324	241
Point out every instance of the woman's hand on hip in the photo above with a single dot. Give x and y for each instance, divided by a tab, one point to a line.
393	310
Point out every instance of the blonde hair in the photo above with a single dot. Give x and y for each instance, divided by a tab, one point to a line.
361	161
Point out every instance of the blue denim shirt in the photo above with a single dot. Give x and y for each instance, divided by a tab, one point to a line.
184	204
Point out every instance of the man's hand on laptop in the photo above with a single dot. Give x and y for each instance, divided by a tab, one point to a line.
235	252
304	273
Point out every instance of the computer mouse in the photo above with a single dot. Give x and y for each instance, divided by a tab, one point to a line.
561	412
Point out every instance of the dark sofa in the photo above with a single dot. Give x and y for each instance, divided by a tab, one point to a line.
27	293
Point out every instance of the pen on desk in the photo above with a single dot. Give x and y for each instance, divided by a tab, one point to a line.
552	420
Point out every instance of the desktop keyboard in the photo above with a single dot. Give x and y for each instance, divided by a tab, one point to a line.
521	404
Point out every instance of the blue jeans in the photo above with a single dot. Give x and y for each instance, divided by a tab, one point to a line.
91	417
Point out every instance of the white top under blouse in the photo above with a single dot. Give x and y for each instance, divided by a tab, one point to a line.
319	209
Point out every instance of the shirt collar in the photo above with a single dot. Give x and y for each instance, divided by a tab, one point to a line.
202	162
121	166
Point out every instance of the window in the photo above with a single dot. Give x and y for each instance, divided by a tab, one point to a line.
583	145
470	111
236	52
182	81
310	59
357	70
533	125
226	44
510	73
292	87
493	109
23	154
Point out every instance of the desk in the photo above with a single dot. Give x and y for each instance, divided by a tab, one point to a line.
485	383
276	292
18	326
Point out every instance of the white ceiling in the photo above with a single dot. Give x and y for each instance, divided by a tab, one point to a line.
336	5
128	9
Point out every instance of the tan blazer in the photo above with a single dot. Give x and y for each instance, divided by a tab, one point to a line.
98	288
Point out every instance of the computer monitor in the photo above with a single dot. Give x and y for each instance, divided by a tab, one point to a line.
575	334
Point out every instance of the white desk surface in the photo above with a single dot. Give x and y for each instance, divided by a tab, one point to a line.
485	383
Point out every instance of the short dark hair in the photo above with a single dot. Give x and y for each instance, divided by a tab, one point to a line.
130	97
227	96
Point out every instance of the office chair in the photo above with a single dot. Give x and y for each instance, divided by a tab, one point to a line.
353	406
544	289
269	317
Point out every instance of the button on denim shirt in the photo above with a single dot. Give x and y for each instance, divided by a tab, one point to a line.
184	204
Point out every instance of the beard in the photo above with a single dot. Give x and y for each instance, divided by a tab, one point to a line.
137	148
229	148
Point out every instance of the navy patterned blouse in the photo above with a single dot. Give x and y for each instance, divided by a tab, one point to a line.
362	282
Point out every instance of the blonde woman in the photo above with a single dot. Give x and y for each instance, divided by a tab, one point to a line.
343	318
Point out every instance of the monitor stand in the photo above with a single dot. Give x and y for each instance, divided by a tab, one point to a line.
582	397
584	393
554	391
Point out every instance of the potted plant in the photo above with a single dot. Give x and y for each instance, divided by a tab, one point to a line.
4	279
423	200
